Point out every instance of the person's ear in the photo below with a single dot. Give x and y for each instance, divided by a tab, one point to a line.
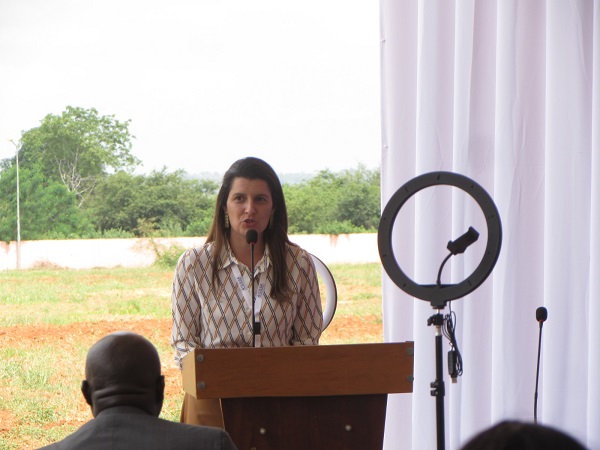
86	390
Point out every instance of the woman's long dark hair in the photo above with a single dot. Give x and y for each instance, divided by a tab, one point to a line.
276	233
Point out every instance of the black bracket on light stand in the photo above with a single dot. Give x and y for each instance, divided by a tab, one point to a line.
437	294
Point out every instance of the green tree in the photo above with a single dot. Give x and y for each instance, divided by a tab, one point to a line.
112	206
360	198
335	203
311	204
204	197
78	148
159	204
47	209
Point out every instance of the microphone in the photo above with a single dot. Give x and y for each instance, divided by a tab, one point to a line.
252	239
541	314
461	244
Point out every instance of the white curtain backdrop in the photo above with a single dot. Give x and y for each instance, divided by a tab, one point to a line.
507	93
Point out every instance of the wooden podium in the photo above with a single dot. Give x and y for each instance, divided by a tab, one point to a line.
306	397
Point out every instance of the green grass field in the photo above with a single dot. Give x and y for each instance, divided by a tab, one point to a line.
50	318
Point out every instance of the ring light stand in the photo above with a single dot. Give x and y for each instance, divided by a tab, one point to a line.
439	294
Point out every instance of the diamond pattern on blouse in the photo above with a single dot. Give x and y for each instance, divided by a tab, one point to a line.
215	315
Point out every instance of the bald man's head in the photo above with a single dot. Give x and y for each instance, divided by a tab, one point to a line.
123	369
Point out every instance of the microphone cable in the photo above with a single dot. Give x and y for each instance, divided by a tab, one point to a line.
455	363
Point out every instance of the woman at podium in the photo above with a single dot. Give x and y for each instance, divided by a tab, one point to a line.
248	285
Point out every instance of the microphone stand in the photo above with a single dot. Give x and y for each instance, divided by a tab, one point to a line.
252	238
255	326
537	375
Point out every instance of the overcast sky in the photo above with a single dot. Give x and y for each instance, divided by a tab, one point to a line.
204	82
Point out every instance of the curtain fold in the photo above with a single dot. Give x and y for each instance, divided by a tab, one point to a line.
508	94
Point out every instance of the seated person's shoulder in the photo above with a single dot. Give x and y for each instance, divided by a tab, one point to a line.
182	435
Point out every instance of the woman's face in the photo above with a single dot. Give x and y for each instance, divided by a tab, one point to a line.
249	205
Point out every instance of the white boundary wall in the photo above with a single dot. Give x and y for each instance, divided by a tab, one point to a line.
91	253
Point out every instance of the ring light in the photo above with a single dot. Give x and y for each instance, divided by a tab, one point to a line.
439	295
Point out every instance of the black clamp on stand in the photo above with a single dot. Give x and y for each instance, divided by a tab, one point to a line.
438	295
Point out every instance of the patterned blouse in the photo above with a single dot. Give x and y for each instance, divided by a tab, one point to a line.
219	315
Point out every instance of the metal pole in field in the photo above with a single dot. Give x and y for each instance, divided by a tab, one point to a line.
18	209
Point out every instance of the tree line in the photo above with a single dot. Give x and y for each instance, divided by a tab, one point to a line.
76	181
